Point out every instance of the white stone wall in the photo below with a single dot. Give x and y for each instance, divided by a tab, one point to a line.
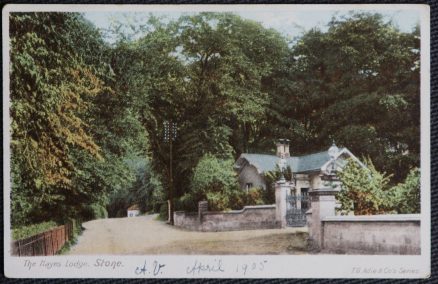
377	234
249	218
249	174
185	220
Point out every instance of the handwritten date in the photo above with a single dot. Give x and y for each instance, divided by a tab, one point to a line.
198	267
248	267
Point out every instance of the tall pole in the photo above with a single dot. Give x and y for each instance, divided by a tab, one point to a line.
171	174
170	133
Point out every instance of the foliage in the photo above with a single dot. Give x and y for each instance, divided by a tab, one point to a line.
406	196
213	180
48	97
229	57
77	230
69	131
254	196
333	79
203	72
145	190
87	118
30	230
365	191
241	198
51	88
164	212
233	86
271	178
94	211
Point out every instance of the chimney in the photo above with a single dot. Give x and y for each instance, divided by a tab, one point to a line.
283	148
286	148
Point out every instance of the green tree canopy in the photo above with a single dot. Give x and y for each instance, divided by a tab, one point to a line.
334	80
51	91
67	144
366	191
81	108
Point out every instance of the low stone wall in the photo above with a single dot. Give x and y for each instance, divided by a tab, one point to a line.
249	218
376	234
187	220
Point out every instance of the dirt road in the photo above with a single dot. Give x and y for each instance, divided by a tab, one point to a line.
145	235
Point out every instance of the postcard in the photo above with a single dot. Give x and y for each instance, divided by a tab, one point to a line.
216	141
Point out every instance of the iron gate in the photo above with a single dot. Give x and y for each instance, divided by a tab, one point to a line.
297	205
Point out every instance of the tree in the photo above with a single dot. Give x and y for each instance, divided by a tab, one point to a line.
214	181
333	80
365	191
407	195
81	108
69	130
228	59
145	190
203	72
51	89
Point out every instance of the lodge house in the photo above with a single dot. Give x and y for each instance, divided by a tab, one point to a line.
308	171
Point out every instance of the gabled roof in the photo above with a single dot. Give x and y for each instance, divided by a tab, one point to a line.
263	163
298	164
312	162
134	207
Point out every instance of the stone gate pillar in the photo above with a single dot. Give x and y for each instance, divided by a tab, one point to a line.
282	188
202	207
323	203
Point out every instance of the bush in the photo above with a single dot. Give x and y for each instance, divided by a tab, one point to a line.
164	212
363	190
95	211
77	226
28	231
268	195
237	200
215	181
241	198
187	203
145	189
406	196
99	211
366	191
218	201
254	196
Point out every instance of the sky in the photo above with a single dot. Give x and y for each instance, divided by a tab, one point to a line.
290	21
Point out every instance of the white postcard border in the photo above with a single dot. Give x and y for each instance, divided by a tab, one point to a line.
225	266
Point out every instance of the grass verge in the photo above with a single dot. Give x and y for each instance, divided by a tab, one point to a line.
31	230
